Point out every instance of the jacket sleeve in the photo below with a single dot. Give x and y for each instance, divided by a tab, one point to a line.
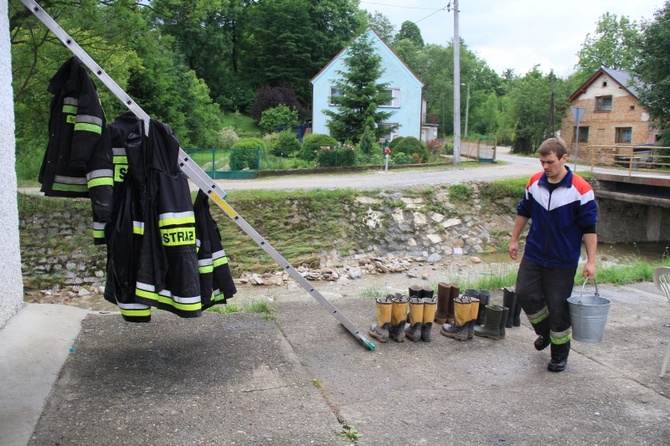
89	122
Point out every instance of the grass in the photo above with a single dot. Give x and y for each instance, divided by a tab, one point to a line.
243	125
257	306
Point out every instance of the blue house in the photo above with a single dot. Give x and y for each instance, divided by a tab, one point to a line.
405	88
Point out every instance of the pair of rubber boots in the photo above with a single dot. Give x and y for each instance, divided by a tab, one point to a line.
494	325
422	308
510	301
392	316
466	311
559	352
446	293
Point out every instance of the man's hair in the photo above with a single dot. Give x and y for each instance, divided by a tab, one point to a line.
553	145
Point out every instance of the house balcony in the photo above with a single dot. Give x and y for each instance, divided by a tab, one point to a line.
429	119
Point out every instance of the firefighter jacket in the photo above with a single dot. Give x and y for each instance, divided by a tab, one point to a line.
168	276
216	281
75	126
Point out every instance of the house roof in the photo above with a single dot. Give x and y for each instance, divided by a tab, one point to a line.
623	78
391	50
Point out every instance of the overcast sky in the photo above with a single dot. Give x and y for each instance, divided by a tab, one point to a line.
517	34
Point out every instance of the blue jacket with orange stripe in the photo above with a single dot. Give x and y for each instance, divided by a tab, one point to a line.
558	219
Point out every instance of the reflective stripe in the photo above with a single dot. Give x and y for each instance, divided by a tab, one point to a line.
138	227
217	295
84	127
89	119
101	177
205	266
176	218
70	101
77	181
562	337
69	110
82	188
134	309
98	234
219	258
99	226
118	151
165	297
539	316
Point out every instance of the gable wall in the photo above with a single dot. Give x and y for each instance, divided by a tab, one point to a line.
626	112
396	74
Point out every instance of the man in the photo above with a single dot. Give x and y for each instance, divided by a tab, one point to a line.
562	208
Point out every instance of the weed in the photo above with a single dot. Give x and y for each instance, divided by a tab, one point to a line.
460	192
349	433
317	383
257	306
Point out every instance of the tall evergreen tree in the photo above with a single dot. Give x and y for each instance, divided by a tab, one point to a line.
359	93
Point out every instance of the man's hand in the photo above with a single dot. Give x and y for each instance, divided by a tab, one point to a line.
513	250
589	270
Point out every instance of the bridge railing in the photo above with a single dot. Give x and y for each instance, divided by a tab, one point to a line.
628	157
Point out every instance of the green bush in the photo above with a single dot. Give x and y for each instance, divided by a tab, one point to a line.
400	158
340	156
246	154
286	144
312	143
410	146
281	116
228	137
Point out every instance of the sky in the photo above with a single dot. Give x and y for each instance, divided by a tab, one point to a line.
517	34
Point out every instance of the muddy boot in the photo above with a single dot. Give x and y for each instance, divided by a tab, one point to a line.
453	295
491	328
484	300
443	291
398	318
413	332
509	301
415	290
429	308
459	329
380	329
559	357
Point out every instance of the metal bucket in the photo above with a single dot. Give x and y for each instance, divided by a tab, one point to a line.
588	314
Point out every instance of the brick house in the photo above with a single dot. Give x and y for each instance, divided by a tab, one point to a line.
613	114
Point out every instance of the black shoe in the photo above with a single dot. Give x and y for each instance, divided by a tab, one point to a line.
541	343
556	365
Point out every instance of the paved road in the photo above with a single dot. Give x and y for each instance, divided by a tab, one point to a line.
509	166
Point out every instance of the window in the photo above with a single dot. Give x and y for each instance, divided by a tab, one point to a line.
391	131
395	98
334	93
604	103
583	134
623	135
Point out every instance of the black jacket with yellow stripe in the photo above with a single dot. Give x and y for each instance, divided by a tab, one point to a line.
75	125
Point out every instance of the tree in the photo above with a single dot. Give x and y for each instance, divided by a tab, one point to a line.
382	25
360	94
653	70
410	31
615	44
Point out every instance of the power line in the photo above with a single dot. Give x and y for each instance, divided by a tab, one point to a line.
396	6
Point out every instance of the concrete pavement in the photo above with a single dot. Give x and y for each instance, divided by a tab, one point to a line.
301	378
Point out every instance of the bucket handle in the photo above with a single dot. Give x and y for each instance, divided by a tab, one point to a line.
584	285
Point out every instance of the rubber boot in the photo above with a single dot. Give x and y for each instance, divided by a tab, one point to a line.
427	292
459	329
509	301
503	321
474	312
415	290
429	308
491	328
484	300
380	329
443	292
516	321
559	357
413	332
453	295
542	330
398	318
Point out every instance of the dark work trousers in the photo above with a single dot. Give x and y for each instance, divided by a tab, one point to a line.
540	289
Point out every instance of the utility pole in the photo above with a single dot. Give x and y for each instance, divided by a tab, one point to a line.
444	127
457	88
467	110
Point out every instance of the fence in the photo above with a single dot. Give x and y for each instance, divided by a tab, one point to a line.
629	157
227	163
482	149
